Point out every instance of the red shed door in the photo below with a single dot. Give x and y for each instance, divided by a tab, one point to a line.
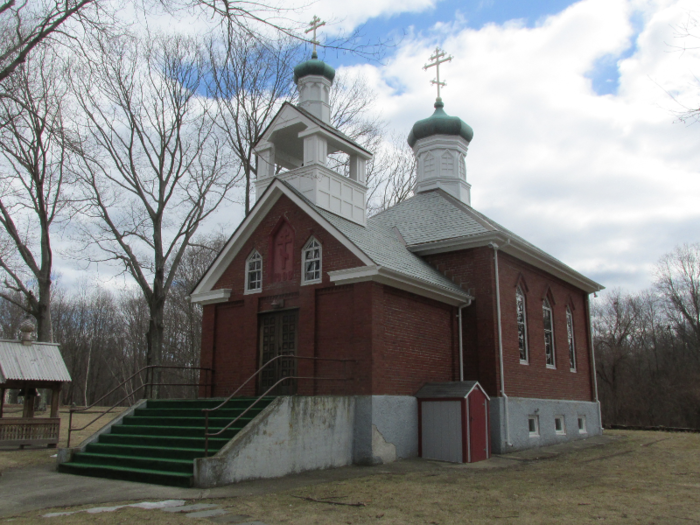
478	426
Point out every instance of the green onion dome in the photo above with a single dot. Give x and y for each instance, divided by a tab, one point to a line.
313	67
439	123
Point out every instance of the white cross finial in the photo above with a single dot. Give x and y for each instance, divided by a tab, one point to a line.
315	24
437	58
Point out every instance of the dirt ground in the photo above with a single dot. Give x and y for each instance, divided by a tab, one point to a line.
12	457
639	477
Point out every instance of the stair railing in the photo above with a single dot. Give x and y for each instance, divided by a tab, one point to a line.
146	385
207	411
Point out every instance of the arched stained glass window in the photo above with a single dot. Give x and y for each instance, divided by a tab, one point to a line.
522	325
311	259
570	337
548	334
253	274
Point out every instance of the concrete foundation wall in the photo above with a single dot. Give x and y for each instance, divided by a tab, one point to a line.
292	434
386	429
520	408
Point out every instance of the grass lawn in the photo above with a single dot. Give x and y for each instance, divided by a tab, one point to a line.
640	477
12	457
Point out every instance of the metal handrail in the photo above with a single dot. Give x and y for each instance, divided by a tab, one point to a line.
144	385
206	411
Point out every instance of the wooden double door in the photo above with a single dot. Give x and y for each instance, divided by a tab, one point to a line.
278	337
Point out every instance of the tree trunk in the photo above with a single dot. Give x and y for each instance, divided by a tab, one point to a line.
154	357
44	330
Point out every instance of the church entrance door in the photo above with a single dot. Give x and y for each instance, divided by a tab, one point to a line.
278	336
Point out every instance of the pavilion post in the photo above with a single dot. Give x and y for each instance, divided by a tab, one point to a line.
55	399
2	401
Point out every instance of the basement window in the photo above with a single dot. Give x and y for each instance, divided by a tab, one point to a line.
582	425
559	427
533	424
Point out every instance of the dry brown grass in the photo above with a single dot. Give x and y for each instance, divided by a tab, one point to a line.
13	457
642	477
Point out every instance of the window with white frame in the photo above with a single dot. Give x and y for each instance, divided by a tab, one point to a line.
559	427
533	426
582	424
253	273
311	259
570	337
522	325
548	334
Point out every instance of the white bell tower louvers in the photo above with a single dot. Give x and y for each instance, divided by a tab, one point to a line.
440	144
296	145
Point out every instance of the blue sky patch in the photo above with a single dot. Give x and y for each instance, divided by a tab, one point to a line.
470	13
605	75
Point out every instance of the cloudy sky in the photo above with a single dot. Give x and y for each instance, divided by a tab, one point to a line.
574	105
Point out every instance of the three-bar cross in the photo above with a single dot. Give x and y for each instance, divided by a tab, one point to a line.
315	24
437	58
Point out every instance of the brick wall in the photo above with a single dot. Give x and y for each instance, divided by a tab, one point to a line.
419	344
535	379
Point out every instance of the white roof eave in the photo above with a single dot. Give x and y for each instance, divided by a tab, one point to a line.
515	247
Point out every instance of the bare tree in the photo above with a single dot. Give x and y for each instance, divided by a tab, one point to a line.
678	280
249	82
153	168
35	148
395	174
29	23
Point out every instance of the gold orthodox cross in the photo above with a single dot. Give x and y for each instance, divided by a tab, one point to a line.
437	58
315	24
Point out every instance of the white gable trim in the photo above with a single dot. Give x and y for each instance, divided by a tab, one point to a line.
516	248
215	296
248	226
380	274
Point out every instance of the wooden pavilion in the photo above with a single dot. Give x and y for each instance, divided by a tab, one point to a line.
28	365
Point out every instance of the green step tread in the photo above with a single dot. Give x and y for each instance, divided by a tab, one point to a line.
135	470
171	449
136	458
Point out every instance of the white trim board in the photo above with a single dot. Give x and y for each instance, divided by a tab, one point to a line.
382	275
515	247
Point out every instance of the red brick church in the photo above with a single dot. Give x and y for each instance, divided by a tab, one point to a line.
428	291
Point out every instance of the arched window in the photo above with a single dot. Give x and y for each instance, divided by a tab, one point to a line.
311	259
570	337
253	273
522	325
548	334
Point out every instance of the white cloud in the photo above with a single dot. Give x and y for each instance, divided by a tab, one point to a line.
606	183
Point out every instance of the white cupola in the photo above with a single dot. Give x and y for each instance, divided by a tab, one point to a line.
296	145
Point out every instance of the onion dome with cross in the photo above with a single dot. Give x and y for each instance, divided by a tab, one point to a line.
314	79
440	144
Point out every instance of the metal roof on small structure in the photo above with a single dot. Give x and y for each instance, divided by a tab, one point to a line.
455	389
35	362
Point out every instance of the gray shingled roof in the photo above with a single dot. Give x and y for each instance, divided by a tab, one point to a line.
433	216
383	246
436	216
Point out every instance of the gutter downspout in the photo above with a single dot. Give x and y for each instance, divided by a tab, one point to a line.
593	369
461	346
500	340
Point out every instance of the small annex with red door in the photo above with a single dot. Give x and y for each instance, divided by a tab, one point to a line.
453	422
